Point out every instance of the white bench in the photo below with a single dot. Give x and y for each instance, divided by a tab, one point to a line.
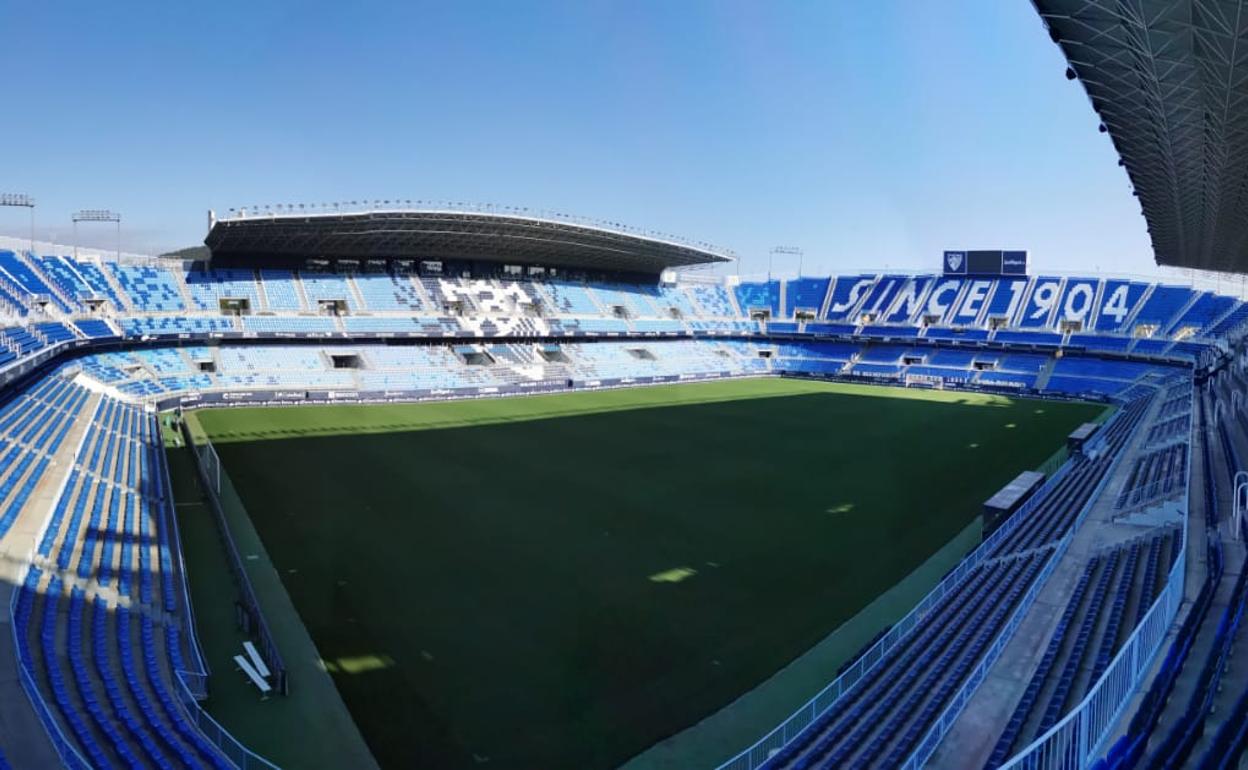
261	684
256	660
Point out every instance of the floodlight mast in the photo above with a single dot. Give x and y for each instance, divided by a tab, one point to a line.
22	201
788	251
97	215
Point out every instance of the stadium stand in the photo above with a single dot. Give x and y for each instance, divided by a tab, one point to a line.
151	288
209	287
113	501
764	295
280	291
23	277
388	291
102	661
806	294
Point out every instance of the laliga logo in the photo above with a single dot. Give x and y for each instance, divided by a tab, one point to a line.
954	260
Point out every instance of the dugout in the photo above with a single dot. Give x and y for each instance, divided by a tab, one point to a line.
1081	436
1010	498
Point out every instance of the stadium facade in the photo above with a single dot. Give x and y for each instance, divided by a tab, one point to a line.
409	305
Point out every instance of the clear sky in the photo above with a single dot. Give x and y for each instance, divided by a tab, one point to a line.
869	134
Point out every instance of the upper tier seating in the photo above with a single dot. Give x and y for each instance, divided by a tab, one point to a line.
280	291
570	298
18	272
764	295
674	298
94	277
713	299
636	300
149	287
806	294
1202	313
20	340
847	292
65	276
388	291
209	287
326	287
1162	306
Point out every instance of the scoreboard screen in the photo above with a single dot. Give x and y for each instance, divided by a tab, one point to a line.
985	263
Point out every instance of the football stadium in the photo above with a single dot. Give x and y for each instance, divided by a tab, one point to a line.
408	483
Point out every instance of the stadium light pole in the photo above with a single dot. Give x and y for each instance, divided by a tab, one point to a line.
97	215
22	201
788	251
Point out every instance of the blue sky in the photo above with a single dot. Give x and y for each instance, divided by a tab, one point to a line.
870	134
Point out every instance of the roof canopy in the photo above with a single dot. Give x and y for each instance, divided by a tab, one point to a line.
1170	84
453	235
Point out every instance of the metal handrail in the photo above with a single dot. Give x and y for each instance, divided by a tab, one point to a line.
1078	736
758	753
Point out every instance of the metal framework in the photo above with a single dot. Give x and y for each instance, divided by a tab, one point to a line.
97	215
1169	80
21	201
785	251
450	234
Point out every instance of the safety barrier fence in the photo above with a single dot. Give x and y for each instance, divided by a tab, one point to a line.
198	686
1152	494
940	728
945	721
237	753
757	754
221	495
192	686
1076	739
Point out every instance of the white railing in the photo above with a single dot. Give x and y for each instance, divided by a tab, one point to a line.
221	494
757	754
1076	740
175	555
936	733
1153	494
237	753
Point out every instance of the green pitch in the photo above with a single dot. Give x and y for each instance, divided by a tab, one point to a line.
562	581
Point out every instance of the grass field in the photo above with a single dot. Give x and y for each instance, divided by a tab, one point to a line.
562	581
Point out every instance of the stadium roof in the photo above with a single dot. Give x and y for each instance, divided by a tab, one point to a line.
1170	83
400	233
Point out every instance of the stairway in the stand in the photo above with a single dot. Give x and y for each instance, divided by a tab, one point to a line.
1042	379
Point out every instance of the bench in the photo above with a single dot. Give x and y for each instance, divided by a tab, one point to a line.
261	684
